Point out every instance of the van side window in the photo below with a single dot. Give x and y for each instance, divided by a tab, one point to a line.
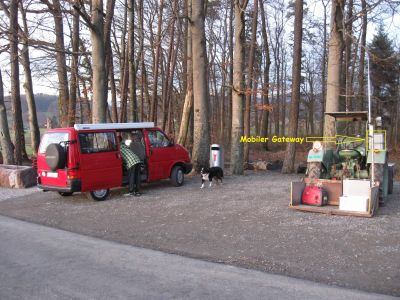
93	142
158	139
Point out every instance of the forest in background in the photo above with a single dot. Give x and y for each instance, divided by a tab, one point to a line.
203	71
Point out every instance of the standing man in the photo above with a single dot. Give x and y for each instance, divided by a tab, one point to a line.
132	163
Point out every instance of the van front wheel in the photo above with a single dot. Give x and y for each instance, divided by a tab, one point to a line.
99	195
177	176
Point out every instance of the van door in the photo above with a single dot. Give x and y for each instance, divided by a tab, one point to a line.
100	160
160	155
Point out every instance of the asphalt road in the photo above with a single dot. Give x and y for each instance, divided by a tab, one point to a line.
39	262
245	222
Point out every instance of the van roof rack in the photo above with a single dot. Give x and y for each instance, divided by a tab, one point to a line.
105	126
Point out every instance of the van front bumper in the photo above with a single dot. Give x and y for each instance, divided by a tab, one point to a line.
188	168
75	185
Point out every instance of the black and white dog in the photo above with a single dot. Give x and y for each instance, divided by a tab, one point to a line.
210	174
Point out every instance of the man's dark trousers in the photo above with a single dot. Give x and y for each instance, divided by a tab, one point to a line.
134	178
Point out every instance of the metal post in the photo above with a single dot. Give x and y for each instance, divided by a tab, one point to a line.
370	127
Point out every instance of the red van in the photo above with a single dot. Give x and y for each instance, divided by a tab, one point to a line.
86	158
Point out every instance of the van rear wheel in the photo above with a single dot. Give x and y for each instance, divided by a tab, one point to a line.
177	176
99	195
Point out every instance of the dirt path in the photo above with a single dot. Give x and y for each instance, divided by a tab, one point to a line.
245	222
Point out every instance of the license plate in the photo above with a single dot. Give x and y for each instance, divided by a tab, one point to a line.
52	174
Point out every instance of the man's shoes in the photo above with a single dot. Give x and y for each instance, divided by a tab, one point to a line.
128	194
137	194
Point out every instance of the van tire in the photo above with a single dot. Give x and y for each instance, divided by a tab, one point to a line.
55	156
65	194
177	176
98	195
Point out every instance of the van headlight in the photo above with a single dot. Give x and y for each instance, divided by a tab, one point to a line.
317	146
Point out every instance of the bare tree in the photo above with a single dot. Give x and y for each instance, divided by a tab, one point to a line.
335	50
154	100
132	67
238	94
188	104
18	127
5	139
250	79
28	86
265	113
98	56
288	163
361	74
323	62
55	9
74	69
348	39
201	134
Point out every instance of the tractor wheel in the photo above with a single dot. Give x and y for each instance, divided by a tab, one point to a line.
379	175
314	170
391	175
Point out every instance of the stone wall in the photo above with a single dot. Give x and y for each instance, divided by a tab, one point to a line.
17	176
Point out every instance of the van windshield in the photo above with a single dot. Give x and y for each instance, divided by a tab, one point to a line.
52	138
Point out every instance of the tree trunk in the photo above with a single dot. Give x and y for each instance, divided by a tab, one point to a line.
237	97
249	84
154	100
361	74
132	67
223	105
323	77
169	72
283	92
334	67
201	134
28	86
73	89
348	52
114	110
265	112
18	126
230	91
5	139
169	91
61	62
99	105
124	92
288	163
188	104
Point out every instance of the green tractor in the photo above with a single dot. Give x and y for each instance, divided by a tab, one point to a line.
351	156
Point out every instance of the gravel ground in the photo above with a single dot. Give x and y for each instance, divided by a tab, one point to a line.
6	193
244	222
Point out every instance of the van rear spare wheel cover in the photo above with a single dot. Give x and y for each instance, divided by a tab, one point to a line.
55	157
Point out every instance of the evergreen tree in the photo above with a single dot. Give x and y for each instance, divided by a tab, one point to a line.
384	72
